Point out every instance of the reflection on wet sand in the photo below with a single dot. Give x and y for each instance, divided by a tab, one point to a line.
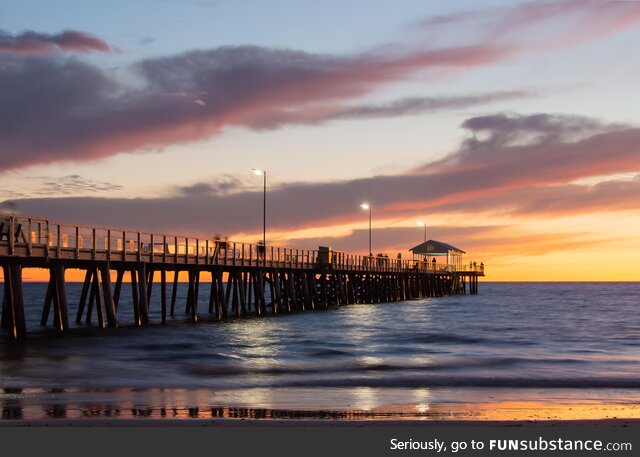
38	404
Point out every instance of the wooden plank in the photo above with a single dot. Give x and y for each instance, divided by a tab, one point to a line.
48	298
275	278
7	298
9	302
174	292
234	284
92	299
196	291
274	308
62	297
142	286
163	295
134	297
249	286
96	293
291	291
150	275
109	304
307	303
116	293
227	294
83	295
188	304
213	294
262	305
19	323
223	301
247	290
192	292
241	291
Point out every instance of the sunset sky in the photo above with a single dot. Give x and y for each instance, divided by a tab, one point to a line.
511	128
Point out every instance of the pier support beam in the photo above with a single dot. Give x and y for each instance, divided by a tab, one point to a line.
13	303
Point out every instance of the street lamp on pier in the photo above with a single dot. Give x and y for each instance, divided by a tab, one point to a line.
423	224
263	173
367	206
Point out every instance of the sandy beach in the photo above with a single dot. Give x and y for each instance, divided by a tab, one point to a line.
315	423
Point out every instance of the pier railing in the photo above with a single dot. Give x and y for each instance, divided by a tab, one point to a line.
44	238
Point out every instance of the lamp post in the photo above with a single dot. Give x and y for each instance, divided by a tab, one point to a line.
263	173
367	206
423	224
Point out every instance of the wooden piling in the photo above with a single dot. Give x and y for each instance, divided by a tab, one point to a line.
105	276
174	292
163	295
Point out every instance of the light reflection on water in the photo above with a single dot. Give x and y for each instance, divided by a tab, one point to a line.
576	344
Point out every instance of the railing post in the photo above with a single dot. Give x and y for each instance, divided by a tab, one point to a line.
77	247
206	259
139	248
234	254
93	244
47	240
186	250
175	251
29	240
164	248
11	235
59	241
108	244
197	250
124	246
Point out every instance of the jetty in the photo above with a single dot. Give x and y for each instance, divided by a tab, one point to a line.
243	279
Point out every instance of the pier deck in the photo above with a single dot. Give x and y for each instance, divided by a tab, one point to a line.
243	275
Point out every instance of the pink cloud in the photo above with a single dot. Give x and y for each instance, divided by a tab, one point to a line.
42	43
520	165
82	112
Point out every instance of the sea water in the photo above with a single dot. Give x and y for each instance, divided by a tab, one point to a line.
514	342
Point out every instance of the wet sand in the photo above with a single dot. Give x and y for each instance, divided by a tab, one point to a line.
493	414
315	423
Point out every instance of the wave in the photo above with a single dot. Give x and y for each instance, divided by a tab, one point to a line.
445	381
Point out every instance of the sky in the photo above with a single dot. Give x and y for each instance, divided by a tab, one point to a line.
510	128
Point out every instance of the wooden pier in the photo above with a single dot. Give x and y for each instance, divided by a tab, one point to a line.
244	278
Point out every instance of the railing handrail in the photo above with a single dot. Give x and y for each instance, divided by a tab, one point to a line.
193	245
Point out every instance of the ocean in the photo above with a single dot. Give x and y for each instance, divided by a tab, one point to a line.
516	350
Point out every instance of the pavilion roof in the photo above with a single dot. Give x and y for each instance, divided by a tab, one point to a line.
433	247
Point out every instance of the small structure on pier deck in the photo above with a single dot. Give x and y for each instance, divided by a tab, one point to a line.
431	248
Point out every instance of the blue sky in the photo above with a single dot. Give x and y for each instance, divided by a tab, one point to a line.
551	70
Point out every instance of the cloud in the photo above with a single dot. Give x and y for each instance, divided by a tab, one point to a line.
510	163
401	107
73	184
392	240
221	185
490	241
51	186
555	200
82	112
542	24
43	43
